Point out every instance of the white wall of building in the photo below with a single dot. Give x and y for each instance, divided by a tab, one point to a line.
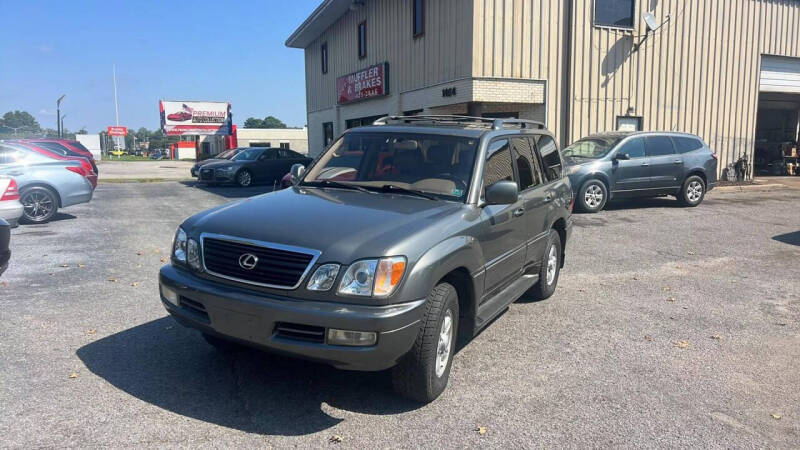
296	138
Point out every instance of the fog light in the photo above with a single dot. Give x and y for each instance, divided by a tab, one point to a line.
352	338
170	295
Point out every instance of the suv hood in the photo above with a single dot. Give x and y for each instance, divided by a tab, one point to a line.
344	225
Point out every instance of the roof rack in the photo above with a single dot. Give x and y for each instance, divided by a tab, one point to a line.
495	124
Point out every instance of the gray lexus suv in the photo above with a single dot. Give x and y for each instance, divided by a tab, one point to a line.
399	239
641	164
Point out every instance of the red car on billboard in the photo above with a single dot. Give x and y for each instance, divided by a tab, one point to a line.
181	116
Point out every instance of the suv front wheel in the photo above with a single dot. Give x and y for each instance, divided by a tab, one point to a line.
423	372
592	196
550	269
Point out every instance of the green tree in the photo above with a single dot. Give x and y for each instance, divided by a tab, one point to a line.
252	122
19	121
273	122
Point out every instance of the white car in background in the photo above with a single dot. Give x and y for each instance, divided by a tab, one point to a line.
10	207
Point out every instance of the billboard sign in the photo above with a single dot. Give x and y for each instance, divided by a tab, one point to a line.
195	118
117	131
364	84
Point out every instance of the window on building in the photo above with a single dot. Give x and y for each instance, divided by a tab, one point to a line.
658	146
412	112
629	123
361	121
327	133
614	13
551	159
419	17
260	144
362	40
498	164
284	145
323	50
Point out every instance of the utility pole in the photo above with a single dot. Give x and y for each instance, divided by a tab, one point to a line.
58	114
116	104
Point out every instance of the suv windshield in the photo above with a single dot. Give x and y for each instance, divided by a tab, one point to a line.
248	155
437	165
592	148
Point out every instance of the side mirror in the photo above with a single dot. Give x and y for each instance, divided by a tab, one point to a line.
502	193
297	171
622	156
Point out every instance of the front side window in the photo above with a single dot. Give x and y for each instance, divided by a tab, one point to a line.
362	40
634	148
498	164
658	146
440	166
614	13
419	17
550	156
248	155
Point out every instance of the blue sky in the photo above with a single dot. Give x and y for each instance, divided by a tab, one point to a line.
197	50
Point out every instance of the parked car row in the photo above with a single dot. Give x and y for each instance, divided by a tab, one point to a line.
39	176
247	166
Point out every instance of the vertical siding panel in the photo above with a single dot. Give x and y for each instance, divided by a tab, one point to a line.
478	24
525	44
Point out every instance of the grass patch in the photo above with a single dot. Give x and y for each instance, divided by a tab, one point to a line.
126	158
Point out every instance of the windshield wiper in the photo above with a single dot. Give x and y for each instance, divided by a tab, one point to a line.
402	190
336	184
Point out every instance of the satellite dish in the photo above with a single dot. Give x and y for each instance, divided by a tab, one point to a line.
650	21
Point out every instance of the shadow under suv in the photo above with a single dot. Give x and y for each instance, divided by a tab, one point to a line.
639	164
399	239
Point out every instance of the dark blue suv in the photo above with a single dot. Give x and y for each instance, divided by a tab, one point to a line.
639	164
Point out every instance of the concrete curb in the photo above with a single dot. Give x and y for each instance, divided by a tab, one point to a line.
751	187
141	180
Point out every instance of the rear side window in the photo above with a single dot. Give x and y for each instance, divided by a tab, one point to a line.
498	163
53	147
550	157
686	144
634	148
658	146
530	174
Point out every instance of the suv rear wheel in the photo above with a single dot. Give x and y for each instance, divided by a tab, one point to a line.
592	196
550	269
693	191
423	373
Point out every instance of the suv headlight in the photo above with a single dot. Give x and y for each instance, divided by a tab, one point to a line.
323	277
193	255
179	246
373	277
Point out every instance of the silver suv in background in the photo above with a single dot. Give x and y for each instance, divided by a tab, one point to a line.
639	164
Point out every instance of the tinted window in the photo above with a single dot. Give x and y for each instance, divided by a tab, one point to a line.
615	13
591	147
324	53
658	146
269	153
327	133
248	155
362	39
686	144
530	173
498	164
288	154
634	148
551	159
53	147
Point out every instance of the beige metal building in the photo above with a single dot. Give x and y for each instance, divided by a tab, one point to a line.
581	67
292	138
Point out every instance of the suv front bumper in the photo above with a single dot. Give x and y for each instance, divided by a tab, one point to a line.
251	318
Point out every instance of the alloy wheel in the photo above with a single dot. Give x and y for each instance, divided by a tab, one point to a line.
245	178
38	205
593	196
552	264
694	191
445	342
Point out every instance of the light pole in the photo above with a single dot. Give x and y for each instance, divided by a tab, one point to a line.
62	126
58	114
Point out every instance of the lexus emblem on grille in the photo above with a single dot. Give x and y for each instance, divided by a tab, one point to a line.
248	261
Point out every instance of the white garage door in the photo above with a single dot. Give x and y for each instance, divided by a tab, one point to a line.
780	74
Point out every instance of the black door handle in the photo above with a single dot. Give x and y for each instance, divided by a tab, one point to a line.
519	211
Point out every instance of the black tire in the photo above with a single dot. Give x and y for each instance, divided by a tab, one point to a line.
592	196
693	191
244	178
40	204
220	344
415	377
543	288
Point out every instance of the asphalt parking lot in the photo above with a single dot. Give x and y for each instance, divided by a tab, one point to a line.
671	327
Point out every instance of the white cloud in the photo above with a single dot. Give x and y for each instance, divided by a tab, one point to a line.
46	112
